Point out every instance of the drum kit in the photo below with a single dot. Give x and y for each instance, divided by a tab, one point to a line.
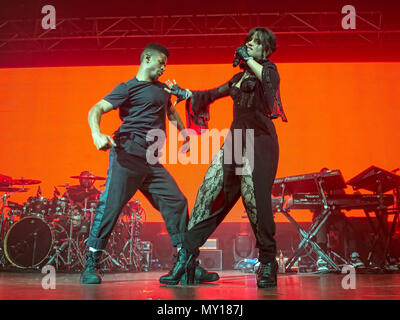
54	231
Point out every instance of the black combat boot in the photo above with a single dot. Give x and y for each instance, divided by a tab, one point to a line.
266	275
91	275
201	275
185	265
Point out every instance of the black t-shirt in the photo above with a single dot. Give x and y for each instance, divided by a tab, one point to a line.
142	105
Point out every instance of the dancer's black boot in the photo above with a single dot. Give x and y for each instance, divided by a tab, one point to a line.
185	265
266	275
91	275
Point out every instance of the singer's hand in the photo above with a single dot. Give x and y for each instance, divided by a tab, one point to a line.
176	90
241	52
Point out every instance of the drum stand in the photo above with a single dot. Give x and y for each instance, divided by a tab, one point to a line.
71	243
2	219
92	211
134	257
108	258
3	260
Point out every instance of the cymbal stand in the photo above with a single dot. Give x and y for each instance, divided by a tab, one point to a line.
109	260
108	257
91	210
3	221
134	257
71	243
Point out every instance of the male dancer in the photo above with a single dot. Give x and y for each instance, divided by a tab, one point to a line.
143	104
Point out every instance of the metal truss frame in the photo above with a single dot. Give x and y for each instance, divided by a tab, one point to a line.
193	31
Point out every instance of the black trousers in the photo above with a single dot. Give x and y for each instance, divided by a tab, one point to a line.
127	174
221	189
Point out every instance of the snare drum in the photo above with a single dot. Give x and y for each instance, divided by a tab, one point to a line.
59	207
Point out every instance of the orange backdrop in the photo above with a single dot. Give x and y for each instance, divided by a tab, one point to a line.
341	115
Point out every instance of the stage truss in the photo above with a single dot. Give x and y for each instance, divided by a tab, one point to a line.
202	31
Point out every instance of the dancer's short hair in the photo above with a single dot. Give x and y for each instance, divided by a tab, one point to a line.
151	48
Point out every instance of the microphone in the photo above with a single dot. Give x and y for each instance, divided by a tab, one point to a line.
236	61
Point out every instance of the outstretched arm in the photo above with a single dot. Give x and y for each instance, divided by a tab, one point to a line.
176	120
197	103
174	117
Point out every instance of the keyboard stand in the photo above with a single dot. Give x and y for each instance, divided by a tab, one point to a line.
307	237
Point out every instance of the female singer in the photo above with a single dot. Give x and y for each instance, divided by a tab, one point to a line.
256	103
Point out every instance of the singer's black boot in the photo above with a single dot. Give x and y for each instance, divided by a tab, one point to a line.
91	275
201	275
185	265
266	275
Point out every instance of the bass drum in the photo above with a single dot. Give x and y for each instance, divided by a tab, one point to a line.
31	240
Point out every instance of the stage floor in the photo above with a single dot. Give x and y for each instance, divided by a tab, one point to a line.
233	285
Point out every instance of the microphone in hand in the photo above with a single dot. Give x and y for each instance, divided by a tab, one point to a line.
236	60
241	54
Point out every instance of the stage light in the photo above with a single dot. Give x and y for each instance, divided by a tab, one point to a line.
243	246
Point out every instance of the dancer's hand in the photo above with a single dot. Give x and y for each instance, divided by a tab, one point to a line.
176	90
186	145
103	142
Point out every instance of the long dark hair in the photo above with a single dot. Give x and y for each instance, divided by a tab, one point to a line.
266	37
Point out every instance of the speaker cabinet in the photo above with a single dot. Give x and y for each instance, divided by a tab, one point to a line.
210	259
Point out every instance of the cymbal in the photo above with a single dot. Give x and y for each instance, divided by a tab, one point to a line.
23	181
9	189
88	177
5	181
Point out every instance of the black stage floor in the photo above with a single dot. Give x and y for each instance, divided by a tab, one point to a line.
233	285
